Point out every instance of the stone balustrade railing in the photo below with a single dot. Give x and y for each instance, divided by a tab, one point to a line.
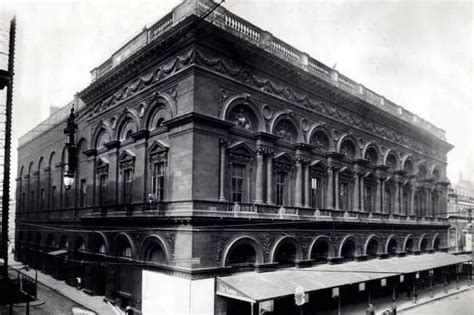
265	40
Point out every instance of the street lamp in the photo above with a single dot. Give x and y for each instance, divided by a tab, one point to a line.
70	151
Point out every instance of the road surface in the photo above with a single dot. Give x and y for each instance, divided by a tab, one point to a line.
458	304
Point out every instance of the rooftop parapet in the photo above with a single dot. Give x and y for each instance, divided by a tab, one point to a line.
265	40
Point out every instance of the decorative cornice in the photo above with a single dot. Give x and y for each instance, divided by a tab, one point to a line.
90	152
197	118
112	144
140	134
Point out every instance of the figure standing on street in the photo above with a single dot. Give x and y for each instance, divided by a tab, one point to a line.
370	310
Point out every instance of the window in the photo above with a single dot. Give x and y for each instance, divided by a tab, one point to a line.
344	196
82	197
43	197
280	188
53	197
405	203
388	201
102	188
368	199
316	192
238	172
158	181
127	185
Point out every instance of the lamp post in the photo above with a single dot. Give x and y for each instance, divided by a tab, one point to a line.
70	151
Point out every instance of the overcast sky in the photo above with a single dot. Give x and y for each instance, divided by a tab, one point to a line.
415	53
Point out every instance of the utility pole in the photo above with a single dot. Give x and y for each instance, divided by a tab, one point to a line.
7	78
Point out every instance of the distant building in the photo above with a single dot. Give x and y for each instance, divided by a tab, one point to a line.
460	199
211	159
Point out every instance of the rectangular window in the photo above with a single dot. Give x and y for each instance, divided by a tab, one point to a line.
238	172
53	197
368	199
344	196
82	197
280	188
102	188
316	192
158	181
405	203
388	201
127	185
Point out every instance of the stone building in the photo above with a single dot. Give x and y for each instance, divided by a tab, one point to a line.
208	150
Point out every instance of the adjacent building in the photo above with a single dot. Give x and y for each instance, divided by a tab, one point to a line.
460	200
212	154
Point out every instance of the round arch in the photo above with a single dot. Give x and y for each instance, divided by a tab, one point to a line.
120	248
320	129
52	160
320	243
348	247
102	133
30	168
372	148
246	241
407	165
435	242
79	244
284	116
409	243
128	122
245	101
348	138
40	164
99	244
372	245
159	101
63	241
423	243
154	249
389	156
391	245
283	253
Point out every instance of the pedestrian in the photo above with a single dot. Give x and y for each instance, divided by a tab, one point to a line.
370	310
394	309
415	295
128	310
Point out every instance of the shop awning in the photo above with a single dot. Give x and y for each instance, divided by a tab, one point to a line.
58	252
255	287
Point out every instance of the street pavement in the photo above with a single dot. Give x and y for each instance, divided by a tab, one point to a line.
458	304
54	304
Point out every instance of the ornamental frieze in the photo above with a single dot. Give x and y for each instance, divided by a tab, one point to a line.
288	94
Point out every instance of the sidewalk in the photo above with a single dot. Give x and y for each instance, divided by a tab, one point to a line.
93	303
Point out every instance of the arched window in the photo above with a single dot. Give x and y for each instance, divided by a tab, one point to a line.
408	167
286	253
371	156
391	162
123	249
409	245
348	148
320	140
286	130
243	117
128	128
423	245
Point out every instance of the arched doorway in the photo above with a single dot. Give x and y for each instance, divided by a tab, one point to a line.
348	249
372	248
321	250
287	252
392	247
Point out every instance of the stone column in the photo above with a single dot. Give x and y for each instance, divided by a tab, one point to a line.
378	207
362	192
270	178
356	193
222	169
299	183
260	177
307	186
428	207
330	191
336	188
